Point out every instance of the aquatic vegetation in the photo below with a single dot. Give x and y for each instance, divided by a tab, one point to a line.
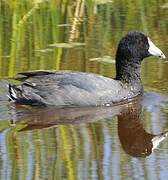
28	26
78	35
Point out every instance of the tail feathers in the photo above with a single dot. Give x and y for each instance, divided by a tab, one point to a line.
16	94
12	93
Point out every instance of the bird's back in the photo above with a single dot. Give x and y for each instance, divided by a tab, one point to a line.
67	88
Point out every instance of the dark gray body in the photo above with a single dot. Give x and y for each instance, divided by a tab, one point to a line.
67	88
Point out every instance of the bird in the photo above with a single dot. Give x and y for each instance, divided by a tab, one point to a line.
66	88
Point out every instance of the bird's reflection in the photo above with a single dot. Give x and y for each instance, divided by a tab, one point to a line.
133	137
135	140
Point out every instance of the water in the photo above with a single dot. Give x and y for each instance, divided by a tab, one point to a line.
120	142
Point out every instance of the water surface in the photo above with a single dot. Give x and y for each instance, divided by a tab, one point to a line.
127	141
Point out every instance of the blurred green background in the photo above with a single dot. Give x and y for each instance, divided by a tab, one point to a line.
78	35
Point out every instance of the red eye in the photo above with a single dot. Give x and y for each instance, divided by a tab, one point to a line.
141	44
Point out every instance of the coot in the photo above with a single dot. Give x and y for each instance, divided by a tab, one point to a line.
69	88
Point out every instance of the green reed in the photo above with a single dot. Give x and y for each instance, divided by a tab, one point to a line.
26	30
29	26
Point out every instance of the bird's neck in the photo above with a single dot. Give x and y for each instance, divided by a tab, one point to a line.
128	72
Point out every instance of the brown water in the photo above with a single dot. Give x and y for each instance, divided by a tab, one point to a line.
120	142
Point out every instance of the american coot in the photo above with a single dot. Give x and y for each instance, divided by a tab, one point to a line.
68	88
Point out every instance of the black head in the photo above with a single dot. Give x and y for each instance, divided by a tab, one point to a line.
132	49
136	46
